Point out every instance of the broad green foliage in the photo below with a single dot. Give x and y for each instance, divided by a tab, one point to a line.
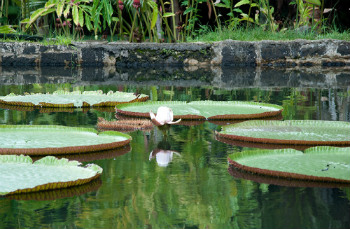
19	172
330	162
204	108
40	136
305	130
75	97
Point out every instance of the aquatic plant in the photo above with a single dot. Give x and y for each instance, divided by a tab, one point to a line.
201	110
65	99
38	140
289	132
164	116
22	175
329	164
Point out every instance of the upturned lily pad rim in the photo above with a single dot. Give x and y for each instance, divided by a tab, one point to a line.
14	104
278	111
50	161
287	175
54	194
284	141
69	149
261	178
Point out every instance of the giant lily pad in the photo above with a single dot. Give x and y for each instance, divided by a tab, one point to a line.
20	175
324	163
211	110
54	140
290	132
64	99
54	194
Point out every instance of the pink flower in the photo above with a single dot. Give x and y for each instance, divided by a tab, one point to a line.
121	4
136	4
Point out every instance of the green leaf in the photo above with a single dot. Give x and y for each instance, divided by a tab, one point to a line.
6	29
66	11
318	163
22	175
46	140
314	2
60	6
188	10
315	132
76	98
35	16
222	5
242	2
75	13
81	18
206	109
88	22
168	14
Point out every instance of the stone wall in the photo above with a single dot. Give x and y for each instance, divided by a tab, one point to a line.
323	53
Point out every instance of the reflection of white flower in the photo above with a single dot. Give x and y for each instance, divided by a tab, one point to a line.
164	116
163	157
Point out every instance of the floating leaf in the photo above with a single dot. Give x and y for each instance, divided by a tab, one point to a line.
210	110
292	132
325	163
22	175
55	140
72	99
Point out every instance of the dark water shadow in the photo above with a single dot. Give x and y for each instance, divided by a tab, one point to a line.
225	77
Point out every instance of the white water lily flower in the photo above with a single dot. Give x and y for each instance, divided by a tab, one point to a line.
164	116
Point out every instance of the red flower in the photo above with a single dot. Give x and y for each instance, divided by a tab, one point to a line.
121	4
136	4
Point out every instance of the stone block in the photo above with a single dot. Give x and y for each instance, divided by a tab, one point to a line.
58	59
238	54
275	51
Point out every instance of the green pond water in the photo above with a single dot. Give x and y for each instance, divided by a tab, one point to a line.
181	180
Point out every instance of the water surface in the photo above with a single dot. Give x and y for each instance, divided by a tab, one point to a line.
195	188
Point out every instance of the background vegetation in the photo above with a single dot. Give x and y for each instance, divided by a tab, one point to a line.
174	20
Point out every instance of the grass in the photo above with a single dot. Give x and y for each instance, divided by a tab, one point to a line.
258	34
59	40
239	33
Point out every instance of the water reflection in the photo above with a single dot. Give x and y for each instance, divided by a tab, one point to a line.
163	153
195	190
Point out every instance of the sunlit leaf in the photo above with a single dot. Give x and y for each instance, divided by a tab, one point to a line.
314	2
168	14
242	2
72	99
75	13
60	6
48	140
310	132
22	175
204	109
330	164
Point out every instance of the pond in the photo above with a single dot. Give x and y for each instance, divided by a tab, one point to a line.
193	186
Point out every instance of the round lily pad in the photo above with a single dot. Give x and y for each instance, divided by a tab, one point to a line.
21	175
211	110
65	99
54	140
324	163
290	132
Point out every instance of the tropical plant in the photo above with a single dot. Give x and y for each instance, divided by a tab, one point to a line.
316	164
213	110
63	98
291	132
53	140
22	175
